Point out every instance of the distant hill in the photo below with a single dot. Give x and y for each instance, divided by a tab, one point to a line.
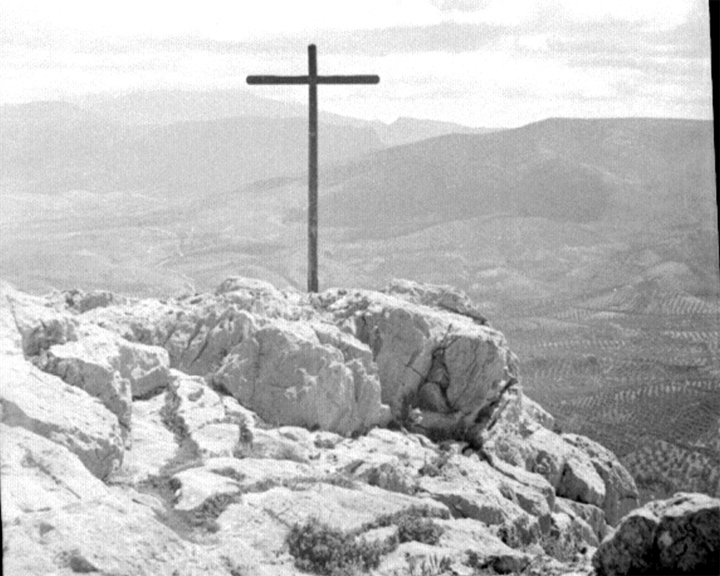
176	141
55	146
561	169
407	130
171	106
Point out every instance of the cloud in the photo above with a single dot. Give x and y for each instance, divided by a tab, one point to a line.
454	58
444	37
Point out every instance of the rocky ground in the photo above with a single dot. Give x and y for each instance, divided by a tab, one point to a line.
253	431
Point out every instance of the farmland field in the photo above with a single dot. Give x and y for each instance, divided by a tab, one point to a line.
637	369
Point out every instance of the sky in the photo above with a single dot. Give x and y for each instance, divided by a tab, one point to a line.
496	63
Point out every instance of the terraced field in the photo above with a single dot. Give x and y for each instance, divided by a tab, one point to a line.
638	369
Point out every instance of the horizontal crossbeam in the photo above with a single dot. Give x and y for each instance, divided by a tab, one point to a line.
369	79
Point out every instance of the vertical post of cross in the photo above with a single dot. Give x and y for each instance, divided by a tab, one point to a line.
312	280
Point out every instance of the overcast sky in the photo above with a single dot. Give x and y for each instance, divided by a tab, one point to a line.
476	62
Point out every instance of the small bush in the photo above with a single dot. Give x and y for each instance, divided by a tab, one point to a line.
432	566
414	529
411	512
319	548
435	466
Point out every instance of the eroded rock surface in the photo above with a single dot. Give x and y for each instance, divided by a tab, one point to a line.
680	535
195	432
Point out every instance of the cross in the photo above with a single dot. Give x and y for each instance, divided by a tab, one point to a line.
312	79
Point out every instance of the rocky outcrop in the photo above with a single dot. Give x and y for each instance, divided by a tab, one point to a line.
342	361
680	535
576	467
444	366
210	424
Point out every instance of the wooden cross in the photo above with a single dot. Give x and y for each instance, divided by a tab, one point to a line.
312	79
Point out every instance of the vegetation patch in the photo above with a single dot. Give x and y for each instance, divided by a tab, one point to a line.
409	516
434	467
322	549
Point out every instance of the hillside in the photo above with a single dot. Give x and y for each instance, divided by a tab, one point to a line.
55	147
560	169
408	130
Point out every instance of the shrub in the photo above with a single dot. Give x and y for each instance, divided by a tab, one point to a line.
411	512
319	548
413	528
435	466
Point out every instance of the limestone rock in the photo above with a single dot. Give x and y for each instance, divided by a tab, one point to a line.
45	405
284	443
475	490
153	445
444	297
468	544
253	409
38	474
108	536
11	343
428	358
196	485
342	508
199	413
680	535
578	468
287	376
621	493
590	519
91	365
252	474
251	285
40	325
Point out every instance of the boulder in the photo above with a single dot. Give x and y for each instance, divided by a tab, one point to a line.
45	405
40	324
285	374
621	494
680	535
442	363
91	364
590	519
